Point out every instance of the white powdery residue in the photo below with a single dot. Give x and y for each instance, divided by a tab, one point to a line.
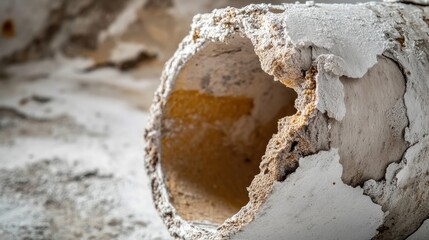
343	44
28	214
27	150
356	38
107	116
422	233
314	203
92	122
415	165
416	100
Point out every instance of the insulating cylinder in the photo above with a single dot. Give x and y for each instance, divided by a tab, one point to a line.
295	121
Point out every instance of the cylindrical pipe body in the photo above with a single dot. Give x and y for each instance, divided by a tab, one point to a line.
295	122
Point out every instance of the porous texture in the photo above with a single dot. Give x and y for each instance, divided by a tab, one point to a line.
360	74
225	109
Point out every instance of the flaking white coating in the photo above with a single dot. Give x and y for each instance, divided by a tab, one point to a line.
404	191
342	45
350	49
383	18
412	55
330	94
354	39
409	171
422	233
343	212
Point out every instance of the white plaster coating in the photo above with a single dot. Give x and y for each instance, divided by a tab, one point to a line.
404	192
350	49
286	50
341	45
330	94
412	56
422	233
351	41
404	189
313	203
410	171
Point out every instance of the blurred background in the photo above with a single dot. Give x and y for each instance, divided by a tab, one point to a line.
76	82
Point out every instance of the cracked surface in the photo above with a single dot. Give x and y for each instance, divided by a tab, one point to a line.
372	87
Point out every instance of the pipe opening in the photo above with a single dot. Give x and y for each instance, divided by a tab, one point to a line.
217	121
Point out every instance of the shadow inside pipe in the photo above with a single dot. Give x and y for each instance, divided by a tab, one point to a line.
217	121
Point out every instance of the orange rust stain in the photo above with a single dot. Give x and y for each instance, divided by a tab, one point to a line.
207	173
207	169
195	35
192	106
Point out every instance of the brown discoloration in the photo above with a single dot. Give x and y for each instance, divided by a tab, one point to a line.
197	145
207	173
280	157
195	35
401	38
190	105
214	129
426	19
401	41
308	130
199	162
8	28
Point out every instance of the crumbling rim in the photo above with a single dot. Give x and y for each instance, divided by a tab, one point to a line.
271	170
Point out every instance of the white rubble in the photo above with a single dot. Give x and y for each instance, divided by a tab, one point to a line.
70	151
